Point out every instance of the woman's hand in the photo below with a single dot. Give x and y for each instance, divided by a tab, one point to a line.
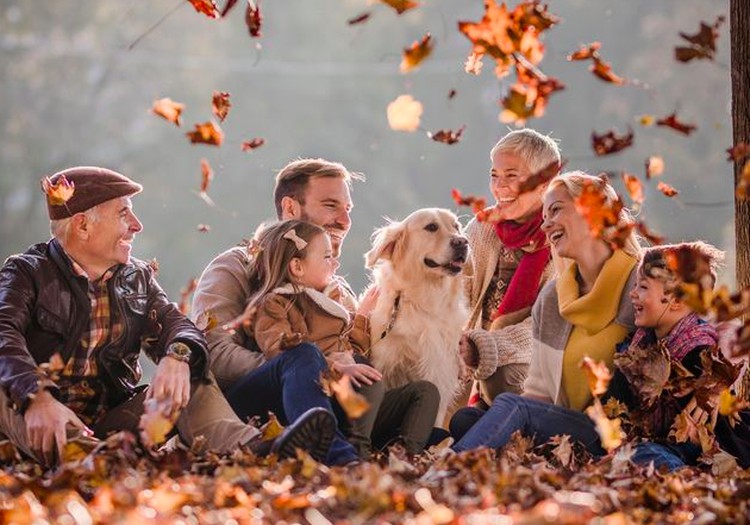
359	373
468	351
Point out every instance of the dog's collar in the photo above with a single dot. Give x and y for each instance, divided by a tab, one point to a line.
394	314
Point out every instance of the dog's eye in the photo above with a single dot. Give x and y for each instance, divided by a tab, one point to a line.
432	227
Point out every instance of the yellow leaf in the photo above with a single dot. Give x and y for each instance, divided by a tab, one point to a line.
404	113
416	53
647	120
168	109
59	193
597	375
610	433
272	429
353	403
156	422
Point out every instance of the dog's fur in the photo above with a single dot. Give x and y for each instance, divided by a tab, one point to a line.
419	259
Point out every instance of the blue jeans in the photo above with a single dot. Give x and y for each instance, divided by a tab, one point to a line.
542	421
288	385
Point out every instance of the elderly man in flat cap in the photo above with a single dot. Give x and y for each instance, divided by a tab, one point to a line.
82	296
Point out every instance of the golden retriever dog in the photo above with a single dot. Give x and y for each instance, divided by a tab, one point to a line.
421	309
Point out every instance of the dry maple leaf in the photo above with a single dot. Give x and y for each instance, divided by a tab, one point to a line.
416	53
671	121
542	176
253	18
359	19
634	187
60	192
666	189
610	142
597	375
603	70
156	422
743	186
477	204
207	175
738	152
609	430
272	429
702	44
647	370
404	113
207	133
54	367
516	107
585	52
252	144
220	105
185	294
592	205
168	109
654	167
447	136
207	7
353	403
401	6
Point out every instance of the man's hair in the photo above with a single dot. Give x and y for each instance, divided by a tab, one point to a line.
705	257
536	150
293	178
60	228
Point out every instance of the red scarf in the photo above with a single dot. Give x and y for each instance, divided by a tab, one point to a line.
524	285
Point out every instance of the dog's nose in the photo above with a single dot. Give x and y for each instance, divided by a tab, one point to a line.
459	242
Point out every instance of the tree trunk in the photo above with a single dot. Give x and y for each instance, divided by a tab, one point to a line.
739	16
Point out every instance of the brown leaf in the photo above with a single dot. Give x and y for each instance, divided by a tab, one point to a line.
253	18
592	205
168	109
671	121
206	7
359	19
220	105
185	294
702	44
743	186
610	142
477	204
647	370
59	193
451	94
252	144
447	136
585	52
597	375
206	133
603	70
272	429
666	189
610	433
654	166
401	6
207	175
543	176
738	152
634	187
416	53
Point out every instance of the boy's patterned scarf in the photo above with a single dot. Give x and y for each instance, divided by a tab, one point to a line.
689	333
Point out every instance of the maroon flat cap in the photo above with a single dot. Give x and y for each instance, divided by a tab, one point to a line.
89	185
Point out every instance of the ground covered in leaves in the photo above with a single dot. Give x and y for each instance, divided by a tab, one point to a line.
118	483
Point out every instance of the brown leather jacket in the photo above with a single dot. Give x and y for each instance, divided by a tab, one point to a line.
45	308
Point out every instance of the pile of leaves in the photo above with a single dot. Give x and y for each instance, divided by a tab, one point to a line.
557	483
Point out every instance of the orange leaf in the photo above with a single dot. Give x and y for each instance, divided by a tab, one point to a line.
738	152
597	375
702	44
517	108
592	205
206	133
59	193
646	120
156	422
603	70
610	433
743	186
477	204
416	53
207	175
354	404
168	109
585	52
401	6
207	7
671	121
185	294
610	142
253	18
359	19
447	136
654	167
253	144
650	236
404	113
666	189
634	187
220	105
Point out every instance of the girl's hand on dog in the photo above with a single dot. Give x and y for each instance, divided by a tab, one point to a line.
368	301
359	373
468	351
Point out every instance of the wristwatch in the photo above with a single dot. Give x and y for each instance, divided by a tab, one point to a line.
179	351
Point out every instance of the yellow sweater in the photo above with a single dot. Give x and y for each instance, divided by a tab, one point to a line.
594	334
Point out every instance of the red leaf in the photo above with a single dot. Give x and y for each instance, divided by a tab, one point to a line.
207	7
359	19
253	18
253	144
447	136
610	142
220	105
702	43
416	53
666	189
671	121
603	70
206	133
229	5
586	52
477	204
593	206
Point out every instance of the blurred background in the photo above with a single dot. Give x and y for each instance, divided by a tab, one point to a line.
71	92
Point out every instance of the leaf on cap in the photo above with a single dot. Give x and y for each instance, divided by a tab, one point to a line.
168	109
207	133
416	53
59	193
220	105
404	113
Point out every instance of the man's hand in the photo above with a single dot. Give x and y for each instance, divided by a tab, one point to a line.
171	382
359	373
468	351
46	425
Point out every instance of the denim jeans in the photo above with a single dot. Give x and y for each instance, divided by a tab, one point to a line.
288	385
510	413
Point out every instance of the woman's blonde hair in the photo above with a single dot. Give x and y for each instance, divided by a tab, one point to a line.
275	245
575	182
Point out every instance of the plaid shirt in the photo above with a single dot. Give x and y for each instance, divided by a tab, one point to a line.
81	390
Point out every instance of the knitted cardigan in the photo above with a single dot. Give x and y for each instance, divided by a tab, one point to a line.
551	332
511	343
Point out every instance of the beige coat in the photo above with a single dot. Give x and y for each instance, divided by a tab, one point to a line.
288	316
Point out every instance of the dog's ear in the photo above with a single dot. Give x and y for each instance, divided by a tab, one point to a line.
384	242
